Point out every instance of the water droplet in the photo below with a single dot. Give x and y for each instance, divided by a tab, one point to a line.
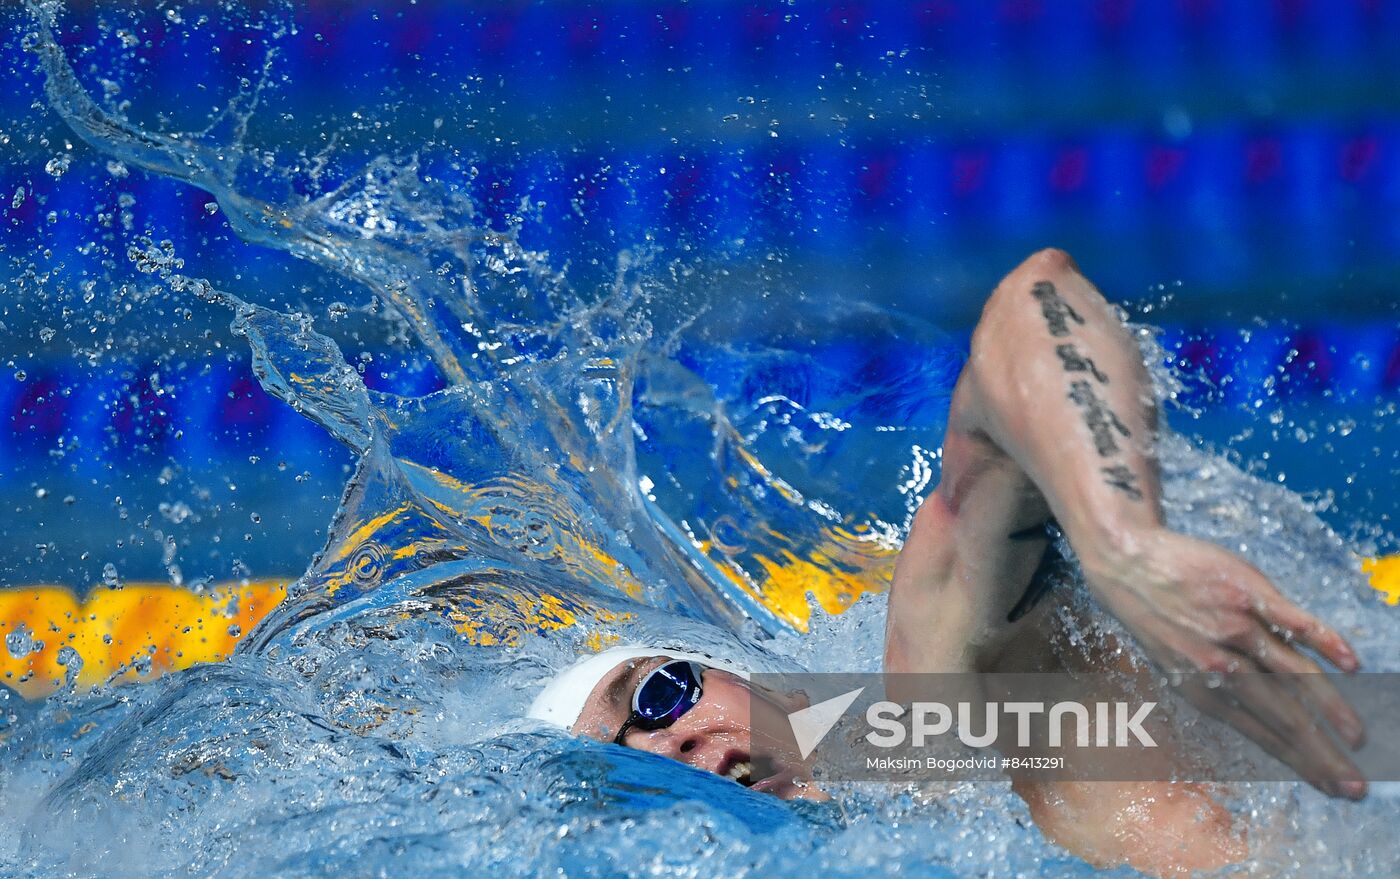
235	630
109	576
20	642
176	512
69	658
57	166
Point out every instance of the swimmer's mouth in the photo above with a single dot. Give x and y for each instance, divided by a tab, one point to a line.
737	767
759	773
765	774
742	772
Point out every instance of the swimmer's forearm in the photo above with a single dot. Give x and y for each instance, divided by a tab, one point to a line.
1056	382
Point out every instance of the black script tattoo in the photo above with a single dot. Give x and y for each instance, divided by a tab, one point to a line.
1057	312
1123	479
1100	420
1073	361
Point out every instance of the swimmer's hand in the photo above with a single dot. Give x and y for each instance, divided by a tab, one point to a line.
1194	606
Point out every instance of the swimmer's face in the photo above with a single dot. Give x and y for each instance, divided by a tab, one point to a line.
716	735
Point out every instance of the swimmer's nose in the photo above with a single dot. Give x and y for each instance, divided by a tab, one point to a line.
684	745
709	753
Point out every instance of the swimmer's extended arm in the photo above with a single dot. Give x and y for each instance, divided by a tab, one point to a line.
1054	415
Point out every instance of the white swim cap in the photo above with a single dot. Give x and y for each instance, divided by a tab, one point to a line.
561	701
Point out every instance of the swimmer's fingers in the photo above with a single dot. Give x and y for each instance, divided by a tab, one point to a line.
1280	726
1258	695
1275	655
1273	714
1292	623
1279	746
1254	619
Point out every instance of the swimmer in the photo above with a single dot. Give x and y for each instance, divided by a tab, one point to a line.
1052	419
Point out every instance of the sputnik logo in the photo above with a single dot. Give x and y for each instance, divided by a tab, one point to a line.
811	724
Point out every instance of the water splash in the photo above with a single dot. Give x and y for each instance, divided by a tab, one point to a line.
579	481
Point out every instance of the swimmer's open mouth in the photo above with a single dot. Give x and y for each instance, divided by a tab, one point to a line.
761	773
737	767
767	774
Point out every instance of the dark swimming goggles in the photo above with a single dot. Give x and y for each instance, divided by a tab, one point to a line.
667	692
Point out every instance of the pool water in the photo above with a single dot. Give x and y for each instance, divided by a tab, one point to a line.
595	456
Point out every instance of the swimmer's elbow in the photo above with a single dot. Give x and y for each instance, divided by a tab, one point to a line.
1011	316
1054	258
1009	298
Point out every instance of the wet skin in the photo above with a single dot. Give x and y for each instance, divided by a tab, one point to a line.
716	735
